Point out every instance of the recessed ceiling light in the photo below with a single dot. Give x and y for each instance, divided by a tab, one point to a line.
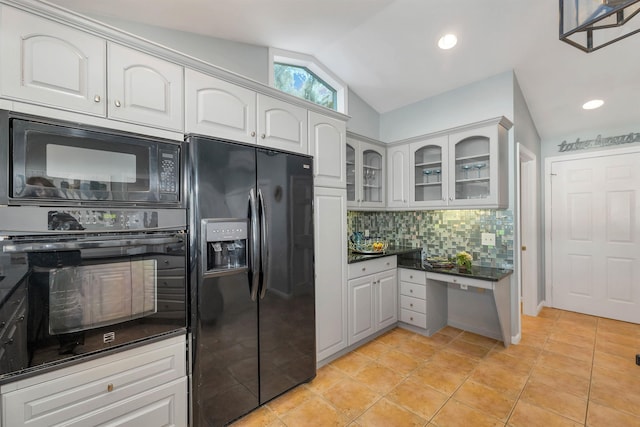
594	103
447	41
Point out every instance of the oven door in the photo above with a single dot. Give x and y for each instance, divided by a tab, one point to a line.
53	163
67	298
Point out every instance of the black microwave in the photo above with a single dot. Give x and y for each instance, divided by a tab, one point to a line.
51	162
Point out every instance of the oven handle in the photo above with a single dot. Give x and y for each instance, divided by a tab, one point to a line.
62	246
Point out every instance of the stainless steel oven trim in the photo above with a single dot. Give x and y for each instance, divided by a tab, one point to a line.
97	243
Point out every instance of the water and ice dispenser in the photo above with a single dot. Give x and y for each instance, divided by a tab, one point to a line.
224	244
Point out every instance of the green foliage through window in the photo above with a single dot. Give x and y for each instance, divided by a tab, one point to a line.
301	82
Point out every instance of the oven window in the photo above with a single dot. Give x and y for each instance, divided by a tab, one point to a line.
91	296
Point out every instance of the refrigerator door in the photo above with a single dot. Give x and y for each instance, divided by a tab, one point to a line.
225	319
287	313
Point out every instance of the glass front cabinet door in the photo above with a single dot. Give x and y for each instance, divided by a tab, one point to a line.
365	175
478	167
429	182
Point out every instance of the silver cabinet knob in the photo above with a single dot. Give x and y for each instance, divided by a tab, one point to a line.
411	305
253	133
451	198
96	98
411	318
263	136
410	291
410	277
117	103
364	269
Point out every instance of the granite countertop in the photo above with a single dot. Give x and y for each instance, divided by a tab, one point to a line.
477	272
391	250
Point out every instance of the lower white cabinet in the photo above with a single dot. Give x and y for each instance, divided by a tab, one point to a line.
330	222
422	304
143	386
373	301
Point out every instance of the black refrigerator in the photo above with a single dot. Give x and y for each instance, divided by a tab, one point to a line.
252	277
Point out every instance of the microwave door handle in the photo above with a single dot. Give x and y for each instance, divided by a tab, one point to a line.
60	246
264	235
254	253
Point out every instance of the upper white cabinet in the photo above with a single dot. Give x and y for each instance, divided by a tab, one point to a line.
217	108
51	64
428	166
48	63
327	146
467	169
144	89
365	168
398	182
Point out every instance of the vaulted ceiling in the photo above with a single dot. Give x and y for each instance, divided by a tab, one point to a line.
385	50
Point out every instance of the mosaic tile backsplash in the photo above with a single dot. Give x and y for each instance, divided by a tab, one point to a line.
443	233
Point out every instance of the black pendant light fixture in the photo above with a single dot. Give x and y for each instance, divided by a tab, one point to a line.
592	24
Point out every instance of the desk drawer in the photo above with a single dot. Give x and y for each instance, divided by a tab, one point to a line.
459	280
413	304
413	290
413	318
413	276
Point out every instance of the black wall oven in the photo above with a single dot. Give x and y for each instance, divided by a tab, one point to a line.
93	243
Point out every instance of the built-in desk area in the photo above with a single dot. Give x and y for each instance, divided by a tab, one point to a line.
478	301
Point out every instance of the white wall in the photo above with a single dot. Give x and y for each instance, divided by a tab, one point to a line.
475	102
364	119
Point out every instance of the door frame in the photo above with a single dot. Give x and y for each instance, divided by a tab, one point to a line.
527	224
548	163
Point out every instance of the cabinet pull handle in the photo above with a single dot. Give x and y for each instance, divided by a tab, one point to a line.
455	280
96	98
21	318
410	277
411	318
263	136
411	305
9	341
410	291
117	103
109	387
253	133
388	263
364	269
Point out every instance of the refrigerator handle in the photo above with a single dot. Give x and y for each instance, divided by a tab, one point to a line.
265	244
254	246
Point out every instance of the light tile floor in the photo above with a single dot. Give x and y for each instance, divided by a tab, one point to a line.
569	369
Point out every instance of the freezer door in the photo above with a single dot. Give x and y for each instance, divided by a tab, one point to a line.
286	313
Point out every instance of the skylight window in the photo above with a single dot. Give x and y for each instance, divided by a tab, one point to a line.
303	76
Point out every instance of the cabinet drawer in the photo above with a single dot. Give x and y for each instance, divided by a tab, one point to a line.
413	304
364	268
413	290
166	262
467	281
413	318
413	276
71	392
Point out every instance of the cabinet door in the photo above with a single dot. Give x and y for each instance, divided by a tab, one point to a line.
473	165
398	173
352	178
144	89
218	108
330	240
50	64
372	175
281	125
361	308
429	171
327	146
386	299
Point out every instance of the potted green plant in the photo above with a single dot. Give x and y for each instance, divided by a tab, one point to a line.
463	260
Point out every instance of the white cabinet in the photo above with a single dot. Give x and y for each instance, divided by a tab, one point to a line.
468	168
373	301
327	146
365	168
398	182
422	304
429	172
144	89
146	385
47	63
221	109
218	108
329	215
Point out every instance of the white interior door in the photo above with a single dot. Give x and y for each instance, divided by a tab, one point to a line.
595	223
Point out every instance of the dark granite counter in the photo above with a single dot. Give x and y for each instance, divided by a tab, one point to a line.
477	272
391	250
